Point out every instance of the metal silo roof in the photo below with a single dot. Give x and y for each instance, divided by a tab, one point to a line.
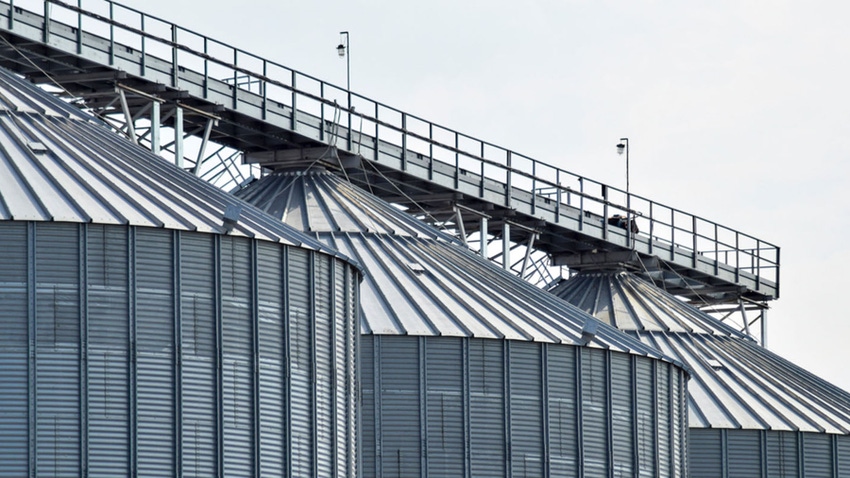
735	382
60	164
419	281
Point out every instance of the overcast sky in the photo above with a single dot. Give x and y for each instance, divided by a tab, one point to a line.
737	111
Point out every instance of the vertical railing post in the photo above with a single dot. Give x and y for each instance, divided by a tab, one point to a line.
294	123
737	258
604	212
672	235
112	34
404	141
716	249
509	186
206	68
264	87
80	27
377	130
694	241
651	227
174	59
558	196
11	14
481	185
46	27
533	187
758	264
430	151
235	78
457	161
581	204
322	115
143	59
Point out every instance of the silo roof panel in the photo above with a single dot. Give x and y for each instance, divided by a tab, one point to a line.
60	164
431	284
735	383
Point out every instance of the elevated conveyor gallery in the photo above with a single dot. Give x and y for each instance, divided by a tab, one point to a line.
123	62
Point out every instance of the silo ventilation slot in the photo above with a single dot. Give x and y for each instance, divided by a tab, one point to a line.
36	147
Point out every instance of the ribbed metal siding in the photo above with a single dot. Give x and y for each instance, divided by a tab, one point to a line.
706	454
237	327
647	417
595	412
14	340
400	408
664	407
842	447
274	415
743	451
301	354
200	358
155	355
526	394
622	418
57	381
444	418
513	409
325	440
759	453
135	352
108	329
563	426
487	407
817	455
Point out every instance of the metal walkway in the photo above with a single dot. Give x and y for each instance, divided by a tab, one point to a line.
115	60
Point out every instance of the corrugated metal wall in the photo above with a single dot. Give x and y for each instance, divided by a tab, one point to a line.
149	352
761	453
455	407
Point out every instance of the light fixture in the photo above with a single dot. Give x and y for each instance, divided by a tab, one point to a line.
620	146
341	50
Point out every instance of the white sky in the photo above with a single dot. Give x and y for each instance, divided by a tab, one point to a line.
736	111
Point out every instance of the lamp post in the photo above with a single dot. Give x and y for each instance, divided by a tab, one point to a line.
344	51
623	145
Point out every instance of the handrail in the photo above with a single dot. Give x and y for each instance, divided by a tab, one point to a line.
511	170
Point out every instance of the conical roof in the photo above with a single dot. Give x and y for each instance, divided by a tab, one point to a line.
419	281
60	164
735	382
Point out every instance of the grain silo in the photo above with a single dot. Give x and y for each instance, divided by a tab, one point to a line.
155	326
752	413
468	370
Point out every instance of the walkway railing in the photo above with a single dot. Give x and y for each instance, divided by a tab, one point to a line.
149	47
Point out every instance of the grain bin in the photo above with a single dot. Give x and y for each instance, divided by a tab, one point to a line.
752	413
468	370
144	335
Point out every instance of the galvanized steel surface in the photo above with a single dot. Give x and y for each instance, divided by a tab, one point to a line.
133	351
735	383
757	453
140	336
59	164
417	280
449	406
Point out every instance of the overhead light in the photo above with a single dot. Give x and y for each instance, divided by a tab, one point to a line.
620	146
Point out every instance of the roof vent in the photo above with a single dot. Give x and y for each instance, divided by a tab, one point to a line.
715	364
36	147
231	217
416	268
588	331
